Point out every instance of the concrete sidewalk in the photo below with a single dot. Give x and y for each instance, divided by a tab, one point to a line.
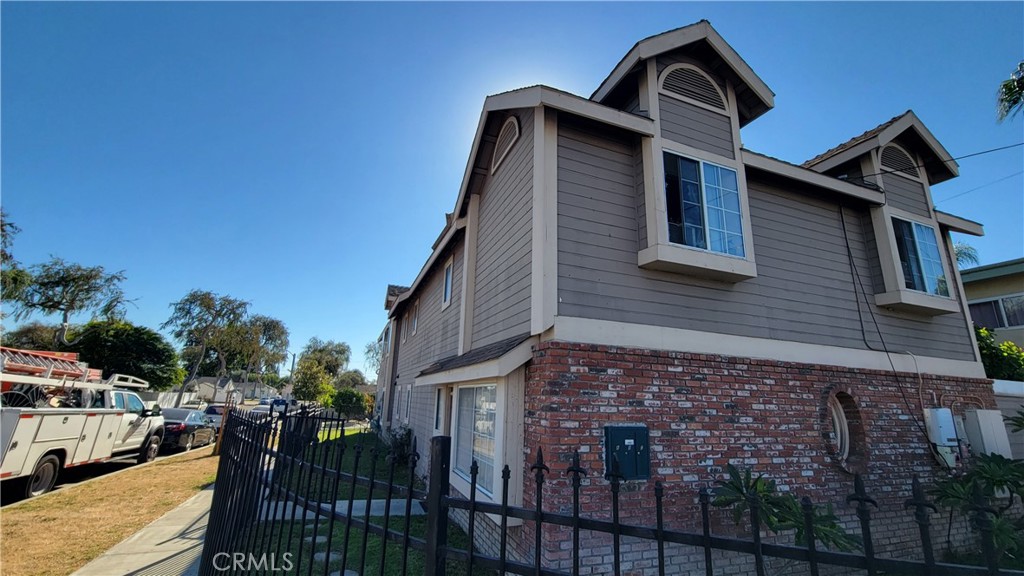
169	546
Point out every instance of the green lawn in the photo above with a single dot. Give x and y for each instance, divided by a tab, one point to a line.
393	552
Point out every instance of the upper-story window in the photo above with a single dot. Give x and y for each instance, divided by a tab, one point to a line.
1002	312
896	160
446	291
687	82
415	316
920	257
703	205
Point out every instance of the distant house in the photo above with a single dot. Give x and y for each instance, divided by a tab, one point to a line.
212	389
622	264
995	295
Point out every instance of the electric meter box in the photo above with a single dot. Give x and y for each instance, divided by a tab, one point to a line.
940	426
987	433
628	444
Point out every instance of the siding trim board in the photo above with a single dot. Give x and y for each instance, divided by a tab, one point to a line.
632	335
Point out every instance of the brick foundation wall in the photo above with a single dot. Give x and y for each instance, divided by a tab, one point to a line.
704	412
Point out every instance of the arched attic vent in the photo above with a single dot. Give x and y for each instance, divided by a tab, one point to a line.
507	137
691	83
896	159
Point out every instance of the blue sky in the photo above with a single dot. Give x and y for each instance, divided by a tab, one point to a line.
302	156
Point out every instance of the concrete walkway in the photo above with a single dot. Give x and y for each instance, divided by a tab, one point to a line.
169	546
172	545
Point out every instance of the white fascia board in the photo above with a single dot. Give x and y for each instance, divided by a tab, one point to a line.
910	120
457	225
545	96
755	160
958	224
848	154
676	39
496	368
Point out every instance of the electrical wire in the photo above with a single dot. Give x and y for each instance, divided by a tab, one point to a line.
973	154
1018	173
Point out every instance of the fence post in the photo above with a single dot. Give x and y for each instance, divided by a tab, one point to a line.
437	505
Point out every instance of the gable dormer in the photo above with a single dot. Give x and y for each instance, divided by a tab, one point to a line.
903	159
693	201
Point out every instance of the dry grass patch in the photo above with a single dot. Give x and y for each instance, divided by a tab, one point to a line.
59	533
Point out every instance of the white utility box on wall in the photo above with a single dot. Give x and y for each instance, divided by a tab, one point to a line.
986	432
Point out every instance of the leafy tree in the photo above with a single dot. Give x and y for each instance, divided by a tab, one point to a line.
59	287
966	255
123	348
32	336
372	354
350	379
261	344
311	383
332	356
1003	361
200	318
352	404
13	279
1011	94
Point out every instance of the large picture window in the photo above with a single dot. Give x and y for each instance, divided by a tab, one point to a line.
920	258
703	205
475	434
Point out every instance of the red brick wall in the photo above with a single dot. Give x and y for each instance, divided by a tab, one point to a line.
704	412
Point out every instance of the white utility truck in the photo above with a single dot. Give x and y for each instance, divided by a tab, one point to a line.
56	412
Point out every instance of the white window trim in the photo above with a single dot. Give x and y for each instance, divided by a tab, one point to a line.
913	158
448	281
897	295
415	316
461	480
1002	310
661	254
682	98
402	325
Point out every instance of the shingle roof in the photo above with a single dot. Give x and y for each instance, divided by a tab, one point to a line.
396	290
476	356
852	142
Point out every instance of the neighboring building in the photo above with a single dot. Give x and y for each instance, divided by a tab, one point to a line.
624	260
995	295
214	389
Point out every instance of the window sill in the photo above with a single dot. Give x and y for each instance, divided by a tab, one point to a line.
679	259
917	302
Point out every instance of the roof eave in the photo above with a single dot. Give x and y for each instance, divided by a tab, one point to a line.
807	176
958	224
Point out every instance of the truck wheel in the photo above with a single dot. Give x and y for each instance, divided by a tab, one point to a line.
43	477
149	450
190	442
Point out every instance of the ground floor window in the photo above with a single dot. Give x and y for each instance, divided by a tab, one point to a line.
475	418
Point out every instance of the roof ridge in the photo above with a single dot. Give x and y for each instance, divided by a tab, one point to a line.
854	141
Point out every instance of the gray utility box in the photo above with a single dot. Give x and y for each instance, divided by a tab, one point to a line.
628	444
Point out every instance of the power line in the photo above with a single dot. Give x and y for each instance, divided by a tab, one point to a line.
1018	173
955	159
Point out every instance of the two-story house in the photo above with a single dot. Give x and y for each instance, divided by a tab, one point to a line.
623	261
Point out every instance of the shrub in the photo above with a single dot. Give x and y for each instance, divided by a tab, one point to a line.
1003	361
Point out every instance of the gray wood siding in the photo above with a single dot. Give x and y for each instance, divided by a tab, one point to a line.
437	330
804	291
502	307
905	194
695	126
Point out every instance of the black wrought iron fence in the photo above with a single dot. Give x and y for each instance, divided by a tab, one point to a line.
303	495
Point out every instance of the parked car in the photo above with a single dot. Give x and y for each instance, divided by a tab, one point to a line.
215	412
265	401
184	428
194	405
261	410
279	405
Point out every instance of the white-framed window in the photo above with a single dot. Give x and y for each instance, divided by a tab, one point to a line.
920	257
475	436
403	324
446	290
415	316
702	202
1002	312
